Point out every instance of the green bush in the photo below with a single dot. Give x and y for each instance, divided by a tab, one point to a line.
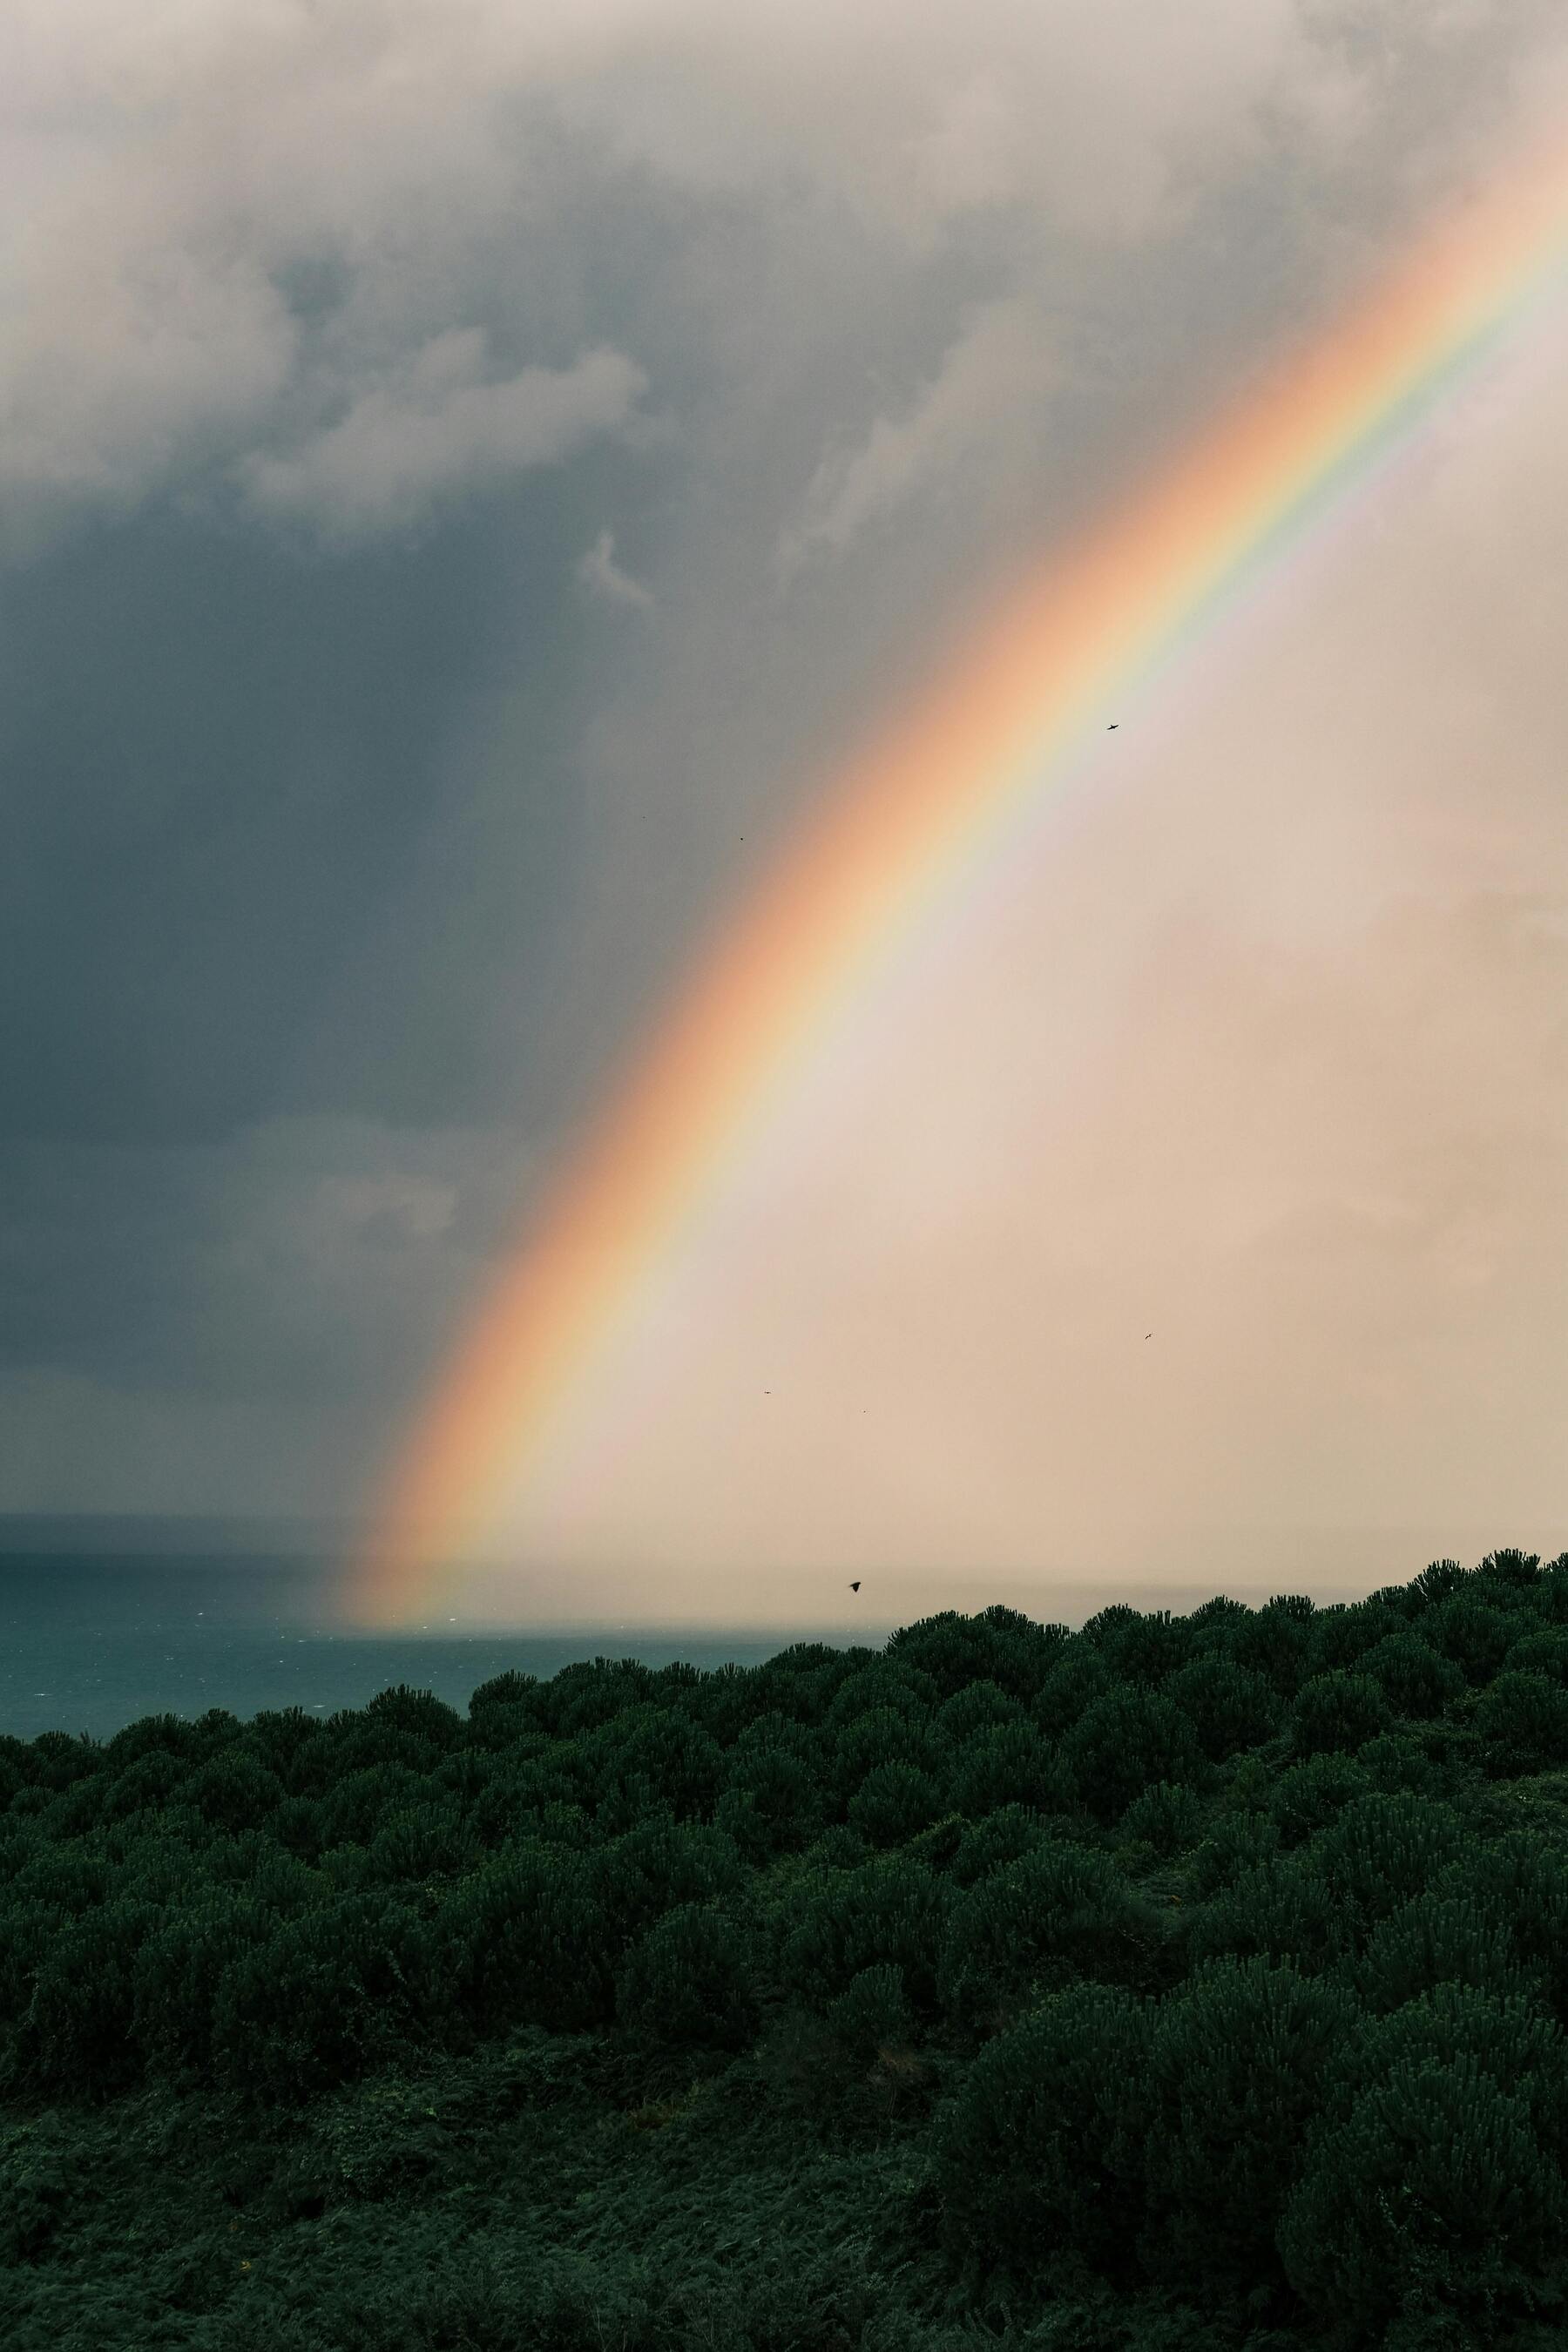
975	1707
1229	1706
524	1943
1236	1842
685	1981
1438	1938
1523	1723
1057	1912
1544	1652
1042	2148
1504	2034
997	1646
1307	1797
1382	1850
1000	1837
1143	1647
892	1802
1078	1677
1009	1764
1276	1641
1125	1742
1238	2060
1435	2196
891	1911
1335	1713
1475	1637
1523	1886
873	2014
180	1972
76	2035
421	1843
1396	1760
1281	1910
881	1736
330	1993
1166	1816
1343	1635
1416	1679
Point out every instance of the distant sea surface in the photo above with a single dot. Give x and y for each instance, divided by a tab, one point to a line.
104	1620
91	1642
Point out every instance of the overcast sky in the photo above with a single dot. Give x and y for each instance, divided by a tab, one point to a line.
467	470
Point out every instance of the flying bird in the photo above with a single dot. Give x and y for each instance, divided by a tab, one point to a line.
855	1586
1113	726
1148	1335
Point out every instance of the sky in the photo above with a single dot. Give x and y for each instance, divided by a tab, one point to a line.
468	475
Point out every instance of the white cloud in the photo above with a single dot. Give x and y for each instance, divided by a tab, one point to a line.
602	576
172	174
993	379
437	430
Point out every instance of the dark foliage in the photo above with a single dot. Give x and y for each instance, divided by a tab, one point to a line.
1177	1985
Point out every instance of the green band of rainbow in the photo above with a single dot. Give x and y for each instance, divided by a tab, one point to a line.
911	822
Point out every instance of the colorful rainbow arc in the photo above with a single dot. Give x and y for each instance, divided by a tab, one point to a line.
906	824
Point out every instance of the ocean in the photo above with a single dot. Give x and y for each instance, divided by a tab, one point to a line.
91	1642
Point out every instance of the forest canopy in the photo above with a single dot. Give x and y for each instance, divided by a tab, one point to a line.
1174	1982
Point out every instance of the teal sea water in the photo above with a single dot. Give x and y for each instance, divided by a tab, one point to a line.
91	1642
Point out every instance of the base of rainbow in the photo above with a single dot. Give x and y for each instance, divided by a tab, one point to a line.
909	824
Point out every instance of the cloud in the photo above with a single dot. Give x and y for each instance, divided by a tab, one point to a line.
994	381
408	838
602	576
439	431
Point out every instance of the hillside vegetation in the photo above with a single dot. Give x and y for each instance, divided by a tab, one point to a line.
1174	1983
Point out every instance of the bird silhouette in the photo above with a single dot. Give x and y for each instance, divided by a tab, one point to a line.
1148	1335
1113	726
855	1586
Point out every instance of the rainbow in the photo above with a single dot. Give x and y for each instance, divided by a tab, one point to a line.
912	821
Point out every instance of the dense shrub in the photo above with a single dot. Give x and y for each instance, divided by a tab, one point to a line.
1236	1842
1475	1637
976	1707
1140	1648
1078	1677
329	1993
1001	1837
1523	1722
1382	1850
1166	1817
1238	2062
1043	2147
1344	1635
890	1911
686	1981
893	1802
1276	1641
1279	1910
1416	1679
1434	2196
1307	1797
1229	1706
1009	1764
773	1801
1335	1713
1187	1985
1434	1940
1544	1652
1126	1741
1057	1912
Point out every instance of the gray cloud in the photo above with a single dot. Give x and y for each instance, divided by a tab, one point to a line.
439	431
599	573
993	381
